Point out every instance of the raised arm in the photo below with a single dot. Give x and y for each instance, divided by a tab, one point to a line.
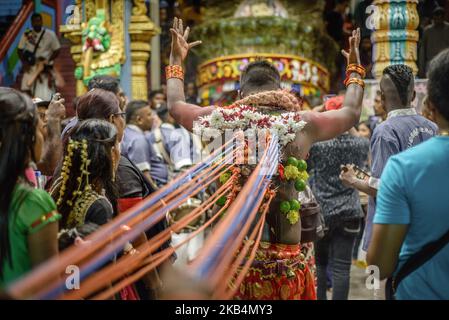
53	149
327	125
183	113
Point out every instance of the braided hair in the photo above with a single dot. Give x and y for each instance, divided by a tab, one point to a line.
403	79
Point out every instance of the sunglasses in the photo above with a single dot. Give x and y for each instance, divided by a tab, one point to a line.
121	114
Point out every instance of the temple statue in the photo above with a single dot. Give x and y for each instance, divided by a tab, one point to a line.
97	32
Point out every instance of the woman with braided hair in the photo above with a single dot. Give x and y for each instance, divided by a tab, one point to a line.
28	216
85	191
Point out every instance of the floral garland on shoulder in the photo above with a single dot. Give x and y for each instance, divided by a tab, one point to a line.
282	120
244	115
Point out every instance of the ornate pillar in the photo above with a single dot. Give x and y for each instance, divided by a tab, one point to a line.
141	30
73	31
395	38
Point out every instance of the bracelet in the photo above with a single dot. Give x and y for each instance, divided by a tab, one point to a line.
174	71
358	81
357	68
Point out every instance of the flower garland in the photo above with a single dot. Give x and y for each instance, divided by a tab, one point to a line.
284	126
243	117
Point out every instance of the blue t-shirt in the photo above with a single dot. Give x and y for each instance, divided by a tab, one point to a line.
177	147
135	146
414	191
394	135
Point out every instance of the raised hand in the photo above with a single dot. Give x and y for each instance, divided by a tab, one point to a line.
56	108
353	56
179	44
348	175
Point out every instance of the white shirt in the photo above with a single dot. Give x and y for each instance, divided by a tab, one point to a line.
49	43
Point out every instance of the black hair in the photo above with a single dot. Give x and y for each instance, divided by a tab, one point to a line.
104	82
97	104
258	75
162	113
132	107
101	136
438	83
18	121
366	123
402	77
66	239
153	93
36	15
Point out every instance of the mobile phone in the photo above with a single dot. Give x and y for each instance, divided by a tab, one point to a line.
56	96
360	174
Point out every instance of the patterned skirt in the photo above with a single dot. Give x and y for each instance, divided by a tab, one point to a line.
279	272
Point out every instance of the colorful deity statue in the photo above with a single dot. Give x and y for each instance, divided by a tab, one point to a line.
96	35
98	49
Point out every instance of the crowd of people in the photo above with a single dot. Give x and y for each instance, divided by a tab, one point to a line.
63	178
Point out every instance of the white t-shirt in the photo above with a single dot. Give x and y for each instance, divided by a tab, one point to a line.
49	43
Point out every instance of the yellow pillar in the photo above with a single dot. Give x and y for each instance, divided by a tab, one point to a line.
395	38
141	30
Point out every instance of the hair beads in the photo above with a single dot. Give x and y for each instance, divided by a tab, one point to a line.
65	171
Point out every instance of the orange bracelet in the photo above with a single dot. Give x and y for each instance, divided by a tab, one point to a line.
174	71
358	81
357	68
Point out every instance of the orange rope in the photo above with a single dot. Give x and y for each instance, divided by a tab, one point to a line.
233	268
44	275
133	278
251	258
120	268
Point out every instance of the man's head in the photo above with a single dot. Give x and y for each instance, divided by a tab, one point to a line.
437	88
259	76
438	16
397	87
36	22
157	99
164	115
139	113
110	84
42	107
190	89
378	108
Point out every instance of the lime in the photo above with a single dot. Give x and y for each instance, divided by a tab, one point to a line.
295	205
225	177
284	206
302	165
221	201
292	161
300	185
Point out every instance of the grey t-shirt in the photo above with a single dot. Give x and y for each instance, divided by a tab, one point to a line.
394	135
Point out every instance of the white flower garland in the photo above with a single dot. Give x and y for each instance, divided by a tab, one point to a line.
284	126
